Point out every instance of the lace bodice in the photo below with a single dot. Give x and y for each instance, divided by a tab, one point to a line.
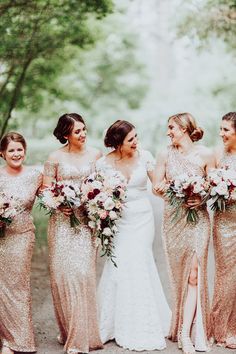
137	183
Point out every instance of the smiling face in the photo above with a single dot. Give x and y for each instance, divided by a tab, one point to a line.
78	134
14	154
228	134
175	132
130	142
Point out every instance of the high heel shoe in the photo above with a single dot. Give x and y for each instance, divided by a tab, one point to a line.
185	343
60	339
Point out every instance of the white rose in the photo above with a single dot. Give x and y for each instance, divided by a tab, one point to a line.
222	189
109	204
113	215
97	185
70	193
107	231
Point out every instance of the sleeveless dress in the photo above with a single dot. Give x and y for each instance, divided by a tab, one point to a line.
132	306
72	263
181	241
223	314
16	249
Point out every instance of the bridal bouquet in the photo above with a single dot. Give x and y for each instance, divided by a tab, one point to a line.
103	196
183	188
222	188
8	210
61	194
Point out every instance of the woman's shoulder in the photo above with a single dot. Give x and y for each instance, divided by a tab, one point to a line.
54	157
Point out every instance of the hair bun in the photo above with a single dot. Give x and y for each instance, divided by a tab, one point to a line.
196	134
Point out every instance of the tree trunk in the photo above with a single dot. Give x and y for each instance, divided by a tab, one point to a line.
15	96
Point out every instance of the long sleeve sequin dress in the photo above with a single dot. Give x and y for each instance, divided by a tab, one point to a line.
181	241
72	261
16	248
223	315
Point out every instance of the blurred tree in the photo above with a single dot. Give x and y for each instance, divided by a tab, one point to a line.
37	37
211	18
103	82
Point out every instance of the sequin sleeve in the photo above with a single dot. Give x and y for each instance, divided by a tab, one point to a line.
50	169
149	161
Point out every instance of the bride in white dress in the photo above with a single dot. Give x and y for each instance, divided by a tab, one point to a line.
132	306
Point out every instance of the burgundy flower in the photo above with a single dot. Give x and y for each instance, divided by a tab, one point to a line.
96	191
91	195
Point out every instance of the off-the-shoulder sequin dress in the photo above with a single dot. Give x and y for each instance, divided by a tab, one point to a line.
16	248
181	241
132	305
223	315
72	260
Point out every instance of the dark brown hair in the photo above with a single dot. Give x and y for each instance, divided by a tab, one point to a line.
11	136
117	132
187	121
65	126
231	116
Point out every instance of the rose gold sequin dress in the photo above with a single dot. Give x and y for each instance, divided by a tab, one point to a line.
72	260
223	315
181	241
16	248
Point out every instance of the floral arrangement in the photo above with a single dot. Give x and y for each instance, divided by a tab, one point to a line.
8	210
104	196
180	190
61	194
222	188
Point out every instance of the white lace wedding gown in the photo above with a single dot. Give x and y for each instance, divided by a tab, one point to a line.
132	306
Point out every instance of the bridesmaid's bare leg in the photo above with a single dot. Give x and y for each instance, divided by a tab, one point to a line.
190	307
6	350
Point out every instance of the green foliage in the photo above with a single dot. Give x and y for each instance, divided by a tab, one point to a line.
209	19
36	37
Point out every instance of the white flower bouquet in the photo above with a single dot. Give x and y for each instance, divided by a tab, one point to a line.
222	188
8	210
61	194
103	196
183	188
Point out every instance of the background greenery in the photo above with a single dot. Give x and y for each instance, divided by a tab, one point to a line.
137	60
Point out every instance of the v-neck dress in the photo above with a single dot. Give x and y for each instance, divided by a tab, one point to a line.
132	306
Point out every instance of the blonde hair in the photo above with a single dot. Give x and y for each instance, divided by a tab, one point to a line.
187	121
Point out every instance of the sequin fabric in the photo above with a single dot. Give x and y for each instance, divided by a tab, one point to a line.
181	241
72	261
223	314
16	248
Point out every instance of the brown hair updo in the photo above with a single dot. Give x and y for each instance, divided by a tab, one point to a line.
65	126
11	136
186	121
117	132
231	116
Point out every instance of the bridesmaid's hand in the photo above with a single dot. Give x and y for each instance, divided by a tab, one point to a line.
193	202
66	210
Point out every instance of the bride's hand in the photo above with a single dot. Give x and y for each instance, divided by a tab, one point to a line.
159	188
